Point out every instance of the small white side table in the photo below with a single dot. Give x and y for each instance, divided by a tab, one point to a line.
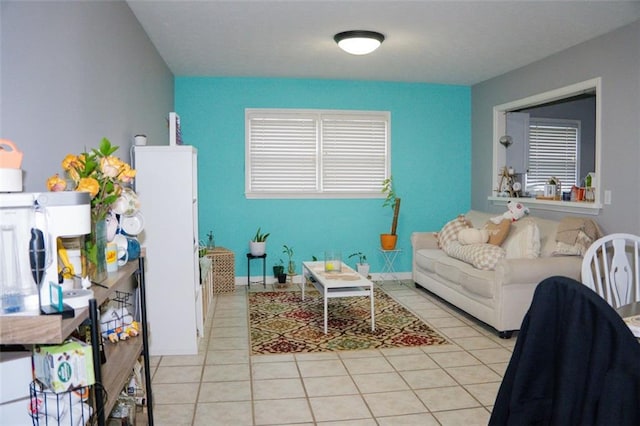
388	268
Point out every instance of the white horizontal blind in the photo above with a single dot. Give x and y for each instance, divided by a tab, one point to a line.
354	154
311	153
553	152
283	153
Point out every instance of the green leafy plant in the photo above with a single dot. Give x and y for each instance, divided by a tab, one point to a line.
259	237
362	258
391	200
278	268
387	188
289	252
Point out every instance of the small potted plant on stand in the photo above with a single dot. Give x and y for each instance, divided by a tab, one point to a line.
362	266
257	246
291	270
278	272
388	241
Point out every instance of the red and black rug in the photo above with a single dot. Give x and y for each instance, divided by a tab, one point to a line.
281	322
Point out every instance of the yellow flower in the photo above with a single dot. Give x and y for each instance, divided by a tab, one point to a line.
72	164
56	183
98	172
89	185
126	174
110	166
70	161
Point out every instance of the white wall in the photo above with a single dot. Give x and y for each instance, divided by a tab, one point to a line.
73	73
616	58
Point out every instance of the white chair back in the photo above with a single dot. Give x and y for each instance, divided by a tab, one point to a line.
610	267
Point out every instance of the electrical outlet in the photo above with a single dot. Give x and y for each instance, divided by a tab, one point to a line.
607	196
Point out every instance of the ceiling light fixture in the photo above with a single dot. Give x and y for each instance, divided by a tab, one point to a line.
359	42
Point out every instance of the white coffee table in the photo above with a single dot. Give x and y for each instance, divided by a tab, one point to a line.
346	283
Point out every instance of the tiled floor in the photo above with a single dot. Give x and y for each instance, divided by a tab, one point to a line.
223	384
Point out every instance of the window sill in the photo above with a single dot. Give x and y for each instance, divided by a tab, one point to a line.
560	206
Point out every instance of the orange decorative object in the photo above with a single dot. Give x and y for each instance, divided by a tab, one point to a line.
388	241
10	156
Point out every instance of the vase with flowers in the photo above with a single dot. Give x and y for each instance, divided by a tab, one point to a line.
103	175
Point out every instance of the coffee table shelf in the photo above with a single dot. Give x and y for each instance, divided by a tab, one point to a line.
347	283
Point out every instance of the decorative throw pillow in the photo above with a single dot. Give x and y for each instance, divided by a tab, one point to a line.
480	256
523	241
564	249
449	231
497	232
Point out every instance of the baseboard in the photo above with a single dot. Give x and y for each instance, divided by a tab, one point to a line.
376	276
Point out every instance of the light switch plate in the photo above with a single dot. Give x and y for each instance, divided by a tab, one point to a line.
607	196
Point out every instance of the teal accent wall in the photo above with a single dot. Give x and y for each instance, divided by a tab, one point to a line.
431	157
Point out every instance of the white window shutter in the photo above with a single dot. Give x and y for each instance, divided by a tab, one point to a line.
353	154
553	152
316	153
283	154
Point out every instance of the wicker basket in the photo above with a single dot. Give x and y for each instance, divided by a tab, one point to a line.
224	280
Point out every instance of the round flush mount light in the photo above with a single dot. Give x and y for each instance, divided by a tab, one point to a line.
359	42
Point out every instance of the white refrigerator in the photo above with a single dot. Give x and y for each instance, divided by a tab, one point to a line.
167	186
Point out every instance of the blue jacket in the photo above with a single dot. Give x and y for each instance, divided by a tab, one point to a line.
575	363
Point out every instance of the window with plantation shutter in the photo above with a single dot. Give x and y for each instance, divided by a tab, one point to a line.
553	152
316	153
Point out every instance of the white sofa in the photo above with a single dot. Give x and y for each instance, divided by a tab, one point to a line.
499	297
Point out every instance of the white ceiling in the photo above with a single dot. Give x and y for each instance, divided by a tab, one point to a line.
451	42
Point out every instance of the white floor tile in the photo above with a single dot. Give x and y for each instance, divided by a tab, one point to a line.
224	384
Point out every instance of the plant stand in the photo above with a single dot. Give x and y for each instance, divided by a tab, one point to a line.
388	268
250	257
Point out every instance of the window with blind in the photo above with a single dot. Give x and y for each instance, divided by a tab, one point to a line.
553	152
316	153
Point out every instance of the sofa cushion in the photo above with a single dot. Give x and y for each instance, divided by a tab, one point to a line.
524	241
482	256
497	232
461	274
449	231
426	258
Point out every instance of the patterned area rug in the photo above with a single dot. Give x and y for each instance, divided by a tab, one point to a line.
281	322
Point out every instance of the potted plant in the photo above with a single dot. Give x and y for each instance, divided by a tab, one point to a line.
362	266
257	246
388	241
289	252
278	269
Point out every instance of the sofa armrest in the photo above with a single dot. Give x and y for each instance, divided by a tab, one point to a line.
521	271
423	240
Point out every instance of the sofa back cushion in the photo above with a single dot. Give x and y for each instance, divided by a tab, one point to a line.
523	241
546	228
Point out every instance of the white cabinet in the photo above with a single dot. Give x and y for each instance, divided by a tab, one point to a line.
166	183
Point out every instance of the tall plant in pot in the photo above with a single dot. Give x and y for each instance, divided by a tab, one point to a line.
291	269
362	266
257	246
388	241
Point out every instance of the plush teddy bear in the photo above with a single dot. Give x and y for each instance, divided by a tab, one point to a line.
515	211
473	236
